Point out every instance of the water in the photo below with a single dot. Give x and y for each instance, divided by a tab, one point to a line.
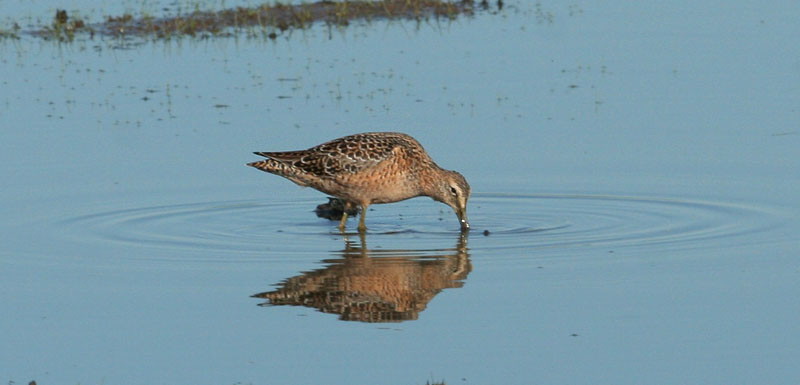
635	203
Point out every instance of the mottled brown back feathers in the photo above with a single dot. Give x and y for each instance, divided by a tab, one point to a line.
349	154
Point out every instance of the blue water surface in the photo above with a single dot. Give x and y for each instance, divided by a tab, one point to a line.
634	169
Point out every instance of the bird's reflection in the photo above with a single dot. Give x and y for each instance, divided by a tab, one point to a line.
375	285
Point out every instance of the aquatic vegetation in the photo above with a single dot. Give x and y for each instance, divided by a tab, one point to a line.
12	33
271	19
64	27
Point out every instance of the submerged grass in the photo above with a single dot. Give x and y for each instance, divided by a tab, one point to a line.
272	19
12	33
64	29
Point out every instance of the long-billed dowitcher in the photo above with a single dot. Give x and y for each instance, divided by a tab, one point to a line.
369	168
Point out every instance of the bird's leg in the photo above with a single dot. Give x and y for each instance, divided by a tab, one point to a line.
343	222
362	225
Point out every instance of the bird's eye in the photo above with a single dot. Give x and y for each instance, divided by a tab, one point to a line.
453	191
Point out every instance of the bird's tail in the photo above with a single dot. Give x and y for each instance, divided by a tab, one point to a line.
283	169
269	165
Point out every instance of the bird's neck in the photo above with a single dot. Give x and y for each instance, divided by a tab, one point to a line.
429	180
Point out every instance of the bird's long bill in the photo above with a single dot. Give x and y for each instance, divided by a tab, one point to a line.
462	218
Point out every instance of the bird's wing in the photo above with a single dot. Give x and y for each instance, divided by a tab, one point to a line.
286	155
350	154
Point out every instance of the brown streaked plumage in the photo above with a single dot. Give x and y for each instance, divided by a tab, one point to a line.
369	168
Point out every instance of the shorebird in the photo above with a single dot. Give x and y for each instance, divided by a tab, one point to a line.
370	168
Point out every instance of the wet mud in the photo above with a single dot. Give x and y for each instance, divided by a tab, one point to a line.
267	20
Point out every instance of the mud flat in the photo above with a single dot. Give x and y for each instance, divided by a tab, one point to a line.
267	20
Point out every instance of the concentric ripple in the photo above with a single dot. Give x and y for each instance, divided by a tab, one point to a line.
620	221
510	221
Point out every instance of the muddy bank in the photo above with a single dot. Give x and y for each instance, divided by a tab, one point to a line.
267	20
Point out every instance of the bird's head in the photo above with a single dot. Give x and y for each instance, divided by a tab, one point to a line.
452	189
